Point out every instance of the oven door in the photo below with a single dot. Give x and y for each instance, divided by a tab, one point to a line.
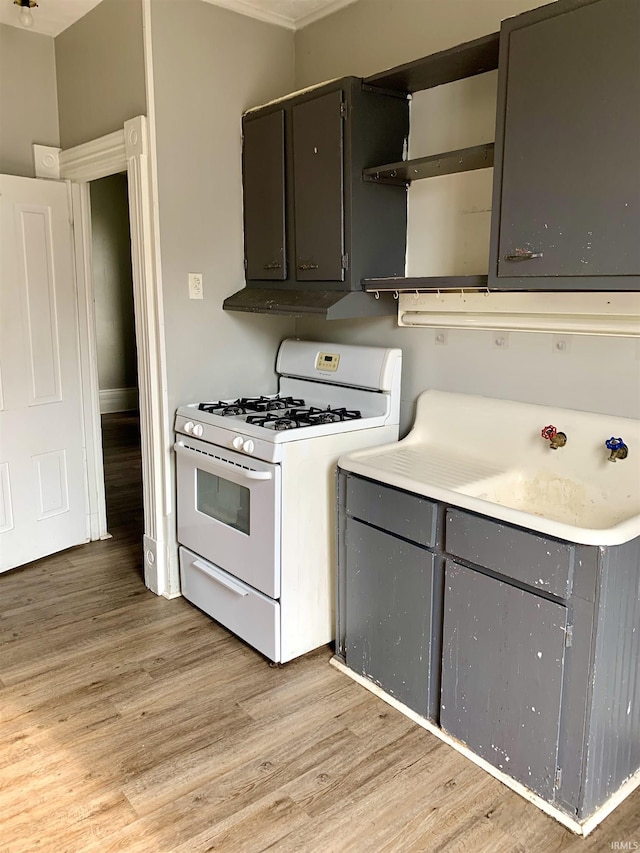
229	511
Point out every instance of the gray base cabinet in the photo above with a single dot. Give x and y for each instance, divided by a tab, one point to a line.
523	647
504	653
390	588
389	594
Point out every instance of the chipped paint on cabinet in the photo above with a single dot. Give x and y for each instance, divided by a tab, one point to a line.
503	664
532	648
389	589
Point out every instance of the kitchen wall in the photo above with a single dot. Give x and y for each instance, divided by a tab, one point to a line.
100	71
449	217
28	99
209	65
113	288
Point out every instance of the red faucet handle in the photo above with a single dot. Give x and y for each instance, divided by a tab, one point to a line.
549	432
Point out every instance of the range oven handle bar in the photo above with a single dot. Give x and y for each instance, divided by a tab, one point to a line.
227	583
220	467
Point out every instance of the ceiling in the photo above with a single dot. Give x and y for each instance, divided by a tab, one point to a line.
293	14
53	16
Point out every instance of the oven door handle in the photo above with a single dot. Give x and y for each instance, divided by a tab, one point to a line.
227	583
220	467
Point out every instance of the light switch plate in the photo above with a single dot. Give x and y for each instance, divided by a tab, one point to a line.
195	285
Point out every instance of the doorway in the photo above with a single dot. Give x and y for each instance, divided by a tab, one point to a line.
116	354
128	149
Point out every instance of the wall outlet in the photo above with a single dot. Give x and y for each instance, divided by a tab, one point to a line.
195	285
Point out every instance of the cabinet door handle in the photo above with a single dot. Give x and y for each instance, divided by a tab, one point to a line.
307	266
522	255
274	265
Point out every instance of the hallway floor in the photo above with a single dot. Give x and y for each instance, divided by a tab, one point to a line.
132	723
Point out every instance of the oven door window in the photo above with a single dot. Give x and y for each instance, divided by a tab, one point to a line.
223	500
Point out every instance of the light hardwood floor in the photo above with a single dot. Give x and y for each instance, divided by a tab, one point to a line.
132	723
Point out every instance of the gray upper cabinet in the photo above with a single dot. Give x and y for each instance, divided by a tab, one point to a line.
264	198
567	175
318	188
311	222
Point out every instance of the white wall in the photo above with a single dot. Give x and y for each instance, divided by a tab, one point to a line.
449	216
28	99
210	65
113	284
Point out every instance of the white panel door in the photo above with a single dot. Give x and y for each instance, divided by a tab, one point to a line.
42	477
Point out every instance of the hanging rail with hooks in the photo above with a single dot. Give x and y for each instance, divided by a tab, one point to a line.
425	284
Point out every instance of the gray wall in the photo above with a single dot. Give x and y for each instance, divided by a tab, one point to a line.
448	229
113	283
100	69
372	35
210	65
28	99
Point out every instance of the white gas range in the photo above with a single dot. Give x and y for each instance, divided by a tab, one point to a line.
256	491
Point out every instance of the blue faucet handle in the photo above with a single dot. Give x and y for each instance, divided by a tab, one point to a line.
614	443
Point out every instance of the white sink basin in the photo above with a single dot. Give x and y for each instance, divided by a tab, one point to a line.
488	456
558	498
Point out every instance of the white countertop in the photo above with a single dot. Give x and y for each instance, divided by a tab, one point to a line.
488	456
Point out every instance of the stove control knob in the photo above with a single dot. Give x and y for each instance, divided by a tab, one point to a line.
237	442
188	427
248	446
198	430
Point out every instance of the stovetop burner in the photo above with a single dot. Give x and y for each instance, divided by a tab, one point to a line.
244	405
298	416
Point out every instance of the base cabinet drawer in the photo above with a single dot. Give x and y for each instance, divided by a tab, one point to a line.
251	615
530	558
405	514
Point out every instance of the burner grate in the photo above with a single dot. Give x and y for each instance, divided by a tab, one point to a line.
244	405
298	417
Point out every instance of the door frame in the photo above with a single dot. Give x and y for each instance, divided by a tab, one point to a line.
124	150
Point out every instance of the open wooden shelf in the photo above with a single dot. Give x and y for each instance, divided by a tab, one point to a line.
447	66
462	160
401	284
463	60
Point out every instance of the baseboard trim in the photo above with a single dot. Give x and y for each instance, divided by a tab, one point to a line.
584	828
118	400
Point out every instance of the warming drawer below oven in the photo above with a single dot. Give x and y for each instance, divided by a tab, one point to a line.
254	617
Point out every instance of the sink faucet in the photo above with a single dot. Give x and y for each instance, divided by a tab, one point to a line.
618	448
556	439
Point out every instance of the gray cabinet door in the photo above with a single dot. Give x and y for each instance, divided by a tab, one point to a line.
389	600
570	177
502	673
318	188
264	198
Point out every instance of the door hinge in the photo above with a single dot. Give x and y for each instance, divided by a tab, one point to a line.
343	109
568	636
345	262
558	778
246	263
